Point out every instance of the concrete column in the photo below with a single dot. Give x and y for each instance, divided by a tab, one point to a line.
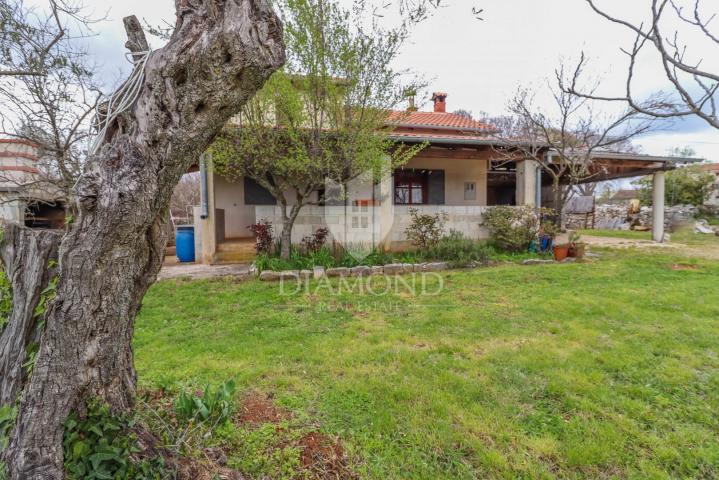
526	182
658	207
208	231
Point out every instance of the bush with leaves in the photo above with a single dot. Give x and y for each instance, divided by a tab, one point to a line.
512	229
425	230
213	405
683	186
7	422
262	231
101	445
459	251
5	299
314	242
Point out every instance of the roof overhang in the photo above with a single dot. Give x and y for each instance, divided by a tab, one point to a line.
442	140
424	126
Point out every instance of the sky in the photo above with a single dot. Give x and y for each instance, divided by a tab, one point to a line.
481	63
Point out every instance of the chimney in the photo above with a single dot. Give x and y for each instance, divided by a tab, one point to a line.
440	102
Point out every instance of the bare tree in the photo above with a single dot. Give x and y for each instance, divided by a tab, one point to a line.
565	142
50	96
35	41
694	87
219	55
185	196
464	113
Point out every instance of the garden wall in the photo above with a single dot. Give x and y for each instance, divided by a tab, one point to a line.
617	217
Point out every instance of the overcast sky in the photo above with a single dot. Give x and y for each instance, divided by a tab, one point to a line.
480	64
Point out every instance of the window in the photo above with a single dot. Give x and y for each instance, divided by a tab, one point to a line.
470	191
410	187
256	194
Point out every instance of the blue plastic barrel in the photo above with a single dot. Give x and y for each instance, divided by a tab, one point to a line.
185	243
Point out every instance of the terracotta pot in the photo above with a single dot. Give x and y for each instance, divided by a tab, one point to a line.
561	252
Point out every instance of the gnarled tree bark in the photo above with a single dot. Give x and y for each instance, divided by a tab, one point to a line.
26	255
219	55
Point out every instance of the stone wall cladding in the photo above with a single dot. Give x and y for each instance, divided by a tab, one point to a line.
617	217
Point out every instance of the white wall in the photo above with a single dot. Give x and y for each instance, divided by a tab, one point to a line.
463	219
11	210
457	171
230	197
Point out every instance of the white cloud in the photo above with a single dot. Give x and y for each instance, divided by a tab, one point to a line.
481	63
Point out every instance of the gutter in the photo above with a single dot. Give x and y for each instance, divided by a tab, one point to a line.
204	197
448	141
484	131
646	158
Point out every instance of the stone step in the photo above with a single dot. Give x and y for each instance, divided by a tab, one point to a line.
240	247
234	257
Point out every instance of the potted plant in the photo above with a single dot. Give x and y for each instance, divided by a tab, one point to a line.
576	246
561	251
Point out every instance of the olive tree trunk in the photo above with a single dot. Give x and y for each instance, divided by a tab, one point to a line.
219	55
28	256
288	223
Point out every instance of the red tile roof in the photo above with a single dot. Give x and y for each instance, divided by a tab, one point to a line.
626	195
711	167
437	120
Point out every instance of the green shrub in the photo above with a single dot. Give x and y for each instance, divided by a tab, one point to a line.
425	230
214	404
100	446
512	229
459	250
5	299
683	186
7	422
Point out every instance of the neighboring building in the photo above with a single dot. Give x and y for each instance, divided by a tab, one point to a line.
713	168
624	197
20	201
458	173
18	165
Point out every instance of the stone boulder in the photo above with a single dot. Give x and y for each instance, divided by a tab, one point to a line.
338	272
361	271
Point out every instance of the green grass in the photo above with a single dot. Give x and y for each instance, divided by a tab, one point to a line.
627	234
594	370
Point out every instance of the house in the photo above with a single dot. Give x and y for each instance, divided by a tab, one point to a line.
624	197
20	199
458	173
713	168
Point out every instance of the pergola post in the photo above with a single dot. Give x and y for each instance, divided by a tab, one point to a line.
658	207
526	187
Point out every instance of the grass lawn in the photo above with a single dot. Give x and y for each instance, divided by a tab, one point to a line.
684	235
628	234
596	370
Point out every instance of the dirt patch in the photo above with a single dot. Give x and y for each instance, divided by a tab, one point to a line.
212	465
325	457
257	409
684	266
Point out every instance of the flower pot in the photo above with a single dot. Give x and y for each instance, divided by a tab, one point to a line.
579	250
561	252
